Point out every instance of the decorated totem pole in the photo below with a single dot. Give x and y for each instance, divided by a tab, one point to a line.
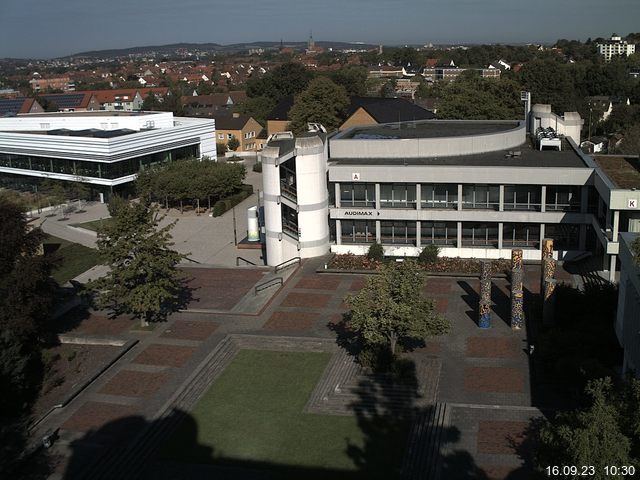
517	290
485	296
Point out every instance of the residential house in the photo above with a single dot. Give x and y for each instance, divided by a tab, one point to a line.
39	84
615	46
211	105
72	101
13	106
243	127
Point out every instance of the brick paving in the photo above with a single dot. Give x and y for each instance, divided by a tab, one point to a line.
493	379
221	288
134	384
167	355
479	368
190	330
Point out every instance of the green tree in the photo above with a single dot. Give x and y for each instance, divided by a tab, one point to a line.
257	107
391	307
285	80
549	81
143	279
353	79
322	102
631	141
151	103
26	299
233	143
591	436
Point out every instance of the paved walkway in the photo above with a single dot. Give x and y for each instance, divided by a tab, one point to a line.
480	377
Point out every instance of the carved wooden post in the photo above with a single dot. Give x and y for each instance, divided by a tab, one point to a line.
517	290
549	306
547	252
485	296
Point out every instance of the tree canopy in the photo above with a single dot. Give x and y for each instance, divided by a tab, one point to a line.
391	307
285	80
143	279
322	102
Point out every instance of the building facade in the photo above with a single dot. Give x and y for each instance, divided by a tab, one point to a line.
103	149
476	189
628	315
615	46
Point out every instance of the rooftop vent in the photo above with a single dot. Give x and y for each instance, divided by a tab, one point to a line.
548	139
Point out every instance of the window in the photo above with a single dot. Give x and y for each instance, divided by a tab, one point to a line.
563	198
397	195
398	232
45	126
290	221
357	195
479	234
565	236
221	136
522	197
288	186
439	196
438	233
229	136
520	235
485	197
358	231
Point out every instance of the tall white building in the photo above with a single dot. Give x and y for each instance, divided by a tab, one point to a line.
615	46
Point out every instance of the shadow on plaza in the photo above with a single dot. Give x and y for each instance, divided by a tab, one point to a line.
499	300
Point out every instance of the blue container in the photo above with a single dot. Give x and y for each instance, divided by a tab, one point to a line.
485	320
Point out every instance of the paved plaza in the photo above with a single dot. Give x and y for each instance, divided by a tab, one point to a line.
478	379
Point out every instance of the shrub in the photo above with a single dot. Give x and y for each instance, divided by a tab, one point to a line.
228	203
429	254
376	252
257	167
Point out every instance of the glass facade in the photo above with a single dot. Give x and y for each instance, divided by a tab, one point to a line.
522	197
484	197
288	186
520	235
565	236
109	170
358	195
290	221
398	232
397	195
479	234
358	231
563	198
438	233
443	196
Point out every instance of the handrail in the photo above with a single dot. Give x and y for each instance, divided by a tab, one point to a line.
267	284
244	260
287	264
192	260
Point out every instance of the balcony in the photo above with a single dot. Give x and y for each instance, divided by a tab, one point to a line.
289	191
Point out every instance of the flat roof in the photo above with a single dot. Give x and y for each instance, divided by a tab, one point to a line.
428	129
528	157
94	113
623	171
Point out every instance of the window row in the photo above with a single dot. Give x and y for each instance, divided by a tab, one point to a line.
83	168
445	196
523	235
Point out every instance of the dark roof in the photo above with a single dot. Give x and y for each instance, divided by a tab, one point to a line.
229	122
66	100
387	110
11	106
428	129
91	132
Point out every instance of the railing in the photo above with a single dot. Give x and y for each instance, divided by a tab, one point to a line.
192	260
288	192
249	262
287	264
267	284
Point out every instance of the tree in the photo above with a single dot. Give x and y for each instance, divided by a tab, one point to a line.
631	141
143	279
591	436
233	143
285	80
26	299
353	79
391	308
151	103
257	107
322	102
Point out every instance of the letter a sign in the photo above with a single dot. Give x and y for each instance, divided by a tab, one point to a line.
355	177
632	203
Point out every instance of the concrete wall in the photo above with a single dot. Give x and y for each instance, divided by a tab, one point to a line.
570	125
82	121
628	316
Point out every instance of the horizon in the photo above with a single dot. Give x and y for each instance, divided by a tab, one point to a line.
57	31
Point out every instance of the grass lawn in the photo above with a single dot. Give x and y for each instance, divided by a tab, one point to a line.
93	224
74	258
253	417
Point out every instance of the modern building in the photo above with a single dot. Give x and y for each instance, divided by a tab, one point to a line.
628	315
476	189
103	149
615	46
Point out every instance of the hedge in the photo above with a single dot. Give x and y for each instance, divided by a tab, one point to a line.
228	203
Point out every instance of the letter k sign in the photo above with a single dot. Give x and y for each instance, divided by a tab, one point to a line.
632	203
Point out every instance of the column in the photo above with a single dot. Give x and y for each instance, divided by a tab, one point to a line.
377	190
612	268
484	320
543	199
459	239
582	238
584	199
338	232
378	236
418	236
418	196
517	290
337	194
501	205
616	225
459	196
500	227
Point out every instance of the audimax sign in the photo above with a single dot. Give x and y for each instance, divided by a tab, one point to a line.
359	213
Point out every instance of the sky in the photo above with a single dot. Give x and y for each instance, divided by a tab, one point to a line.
46	28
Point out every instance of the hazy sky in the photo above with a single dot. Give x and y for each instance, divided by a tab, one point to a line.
46	28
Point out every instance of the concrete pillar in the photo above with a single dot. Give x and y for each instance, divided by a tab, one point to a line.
459	196
378	233
418	196
338	232
484	320
584	199
459	235
543	199
612	268
501	205
337	193
500	229
418	234
377	190
616	225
